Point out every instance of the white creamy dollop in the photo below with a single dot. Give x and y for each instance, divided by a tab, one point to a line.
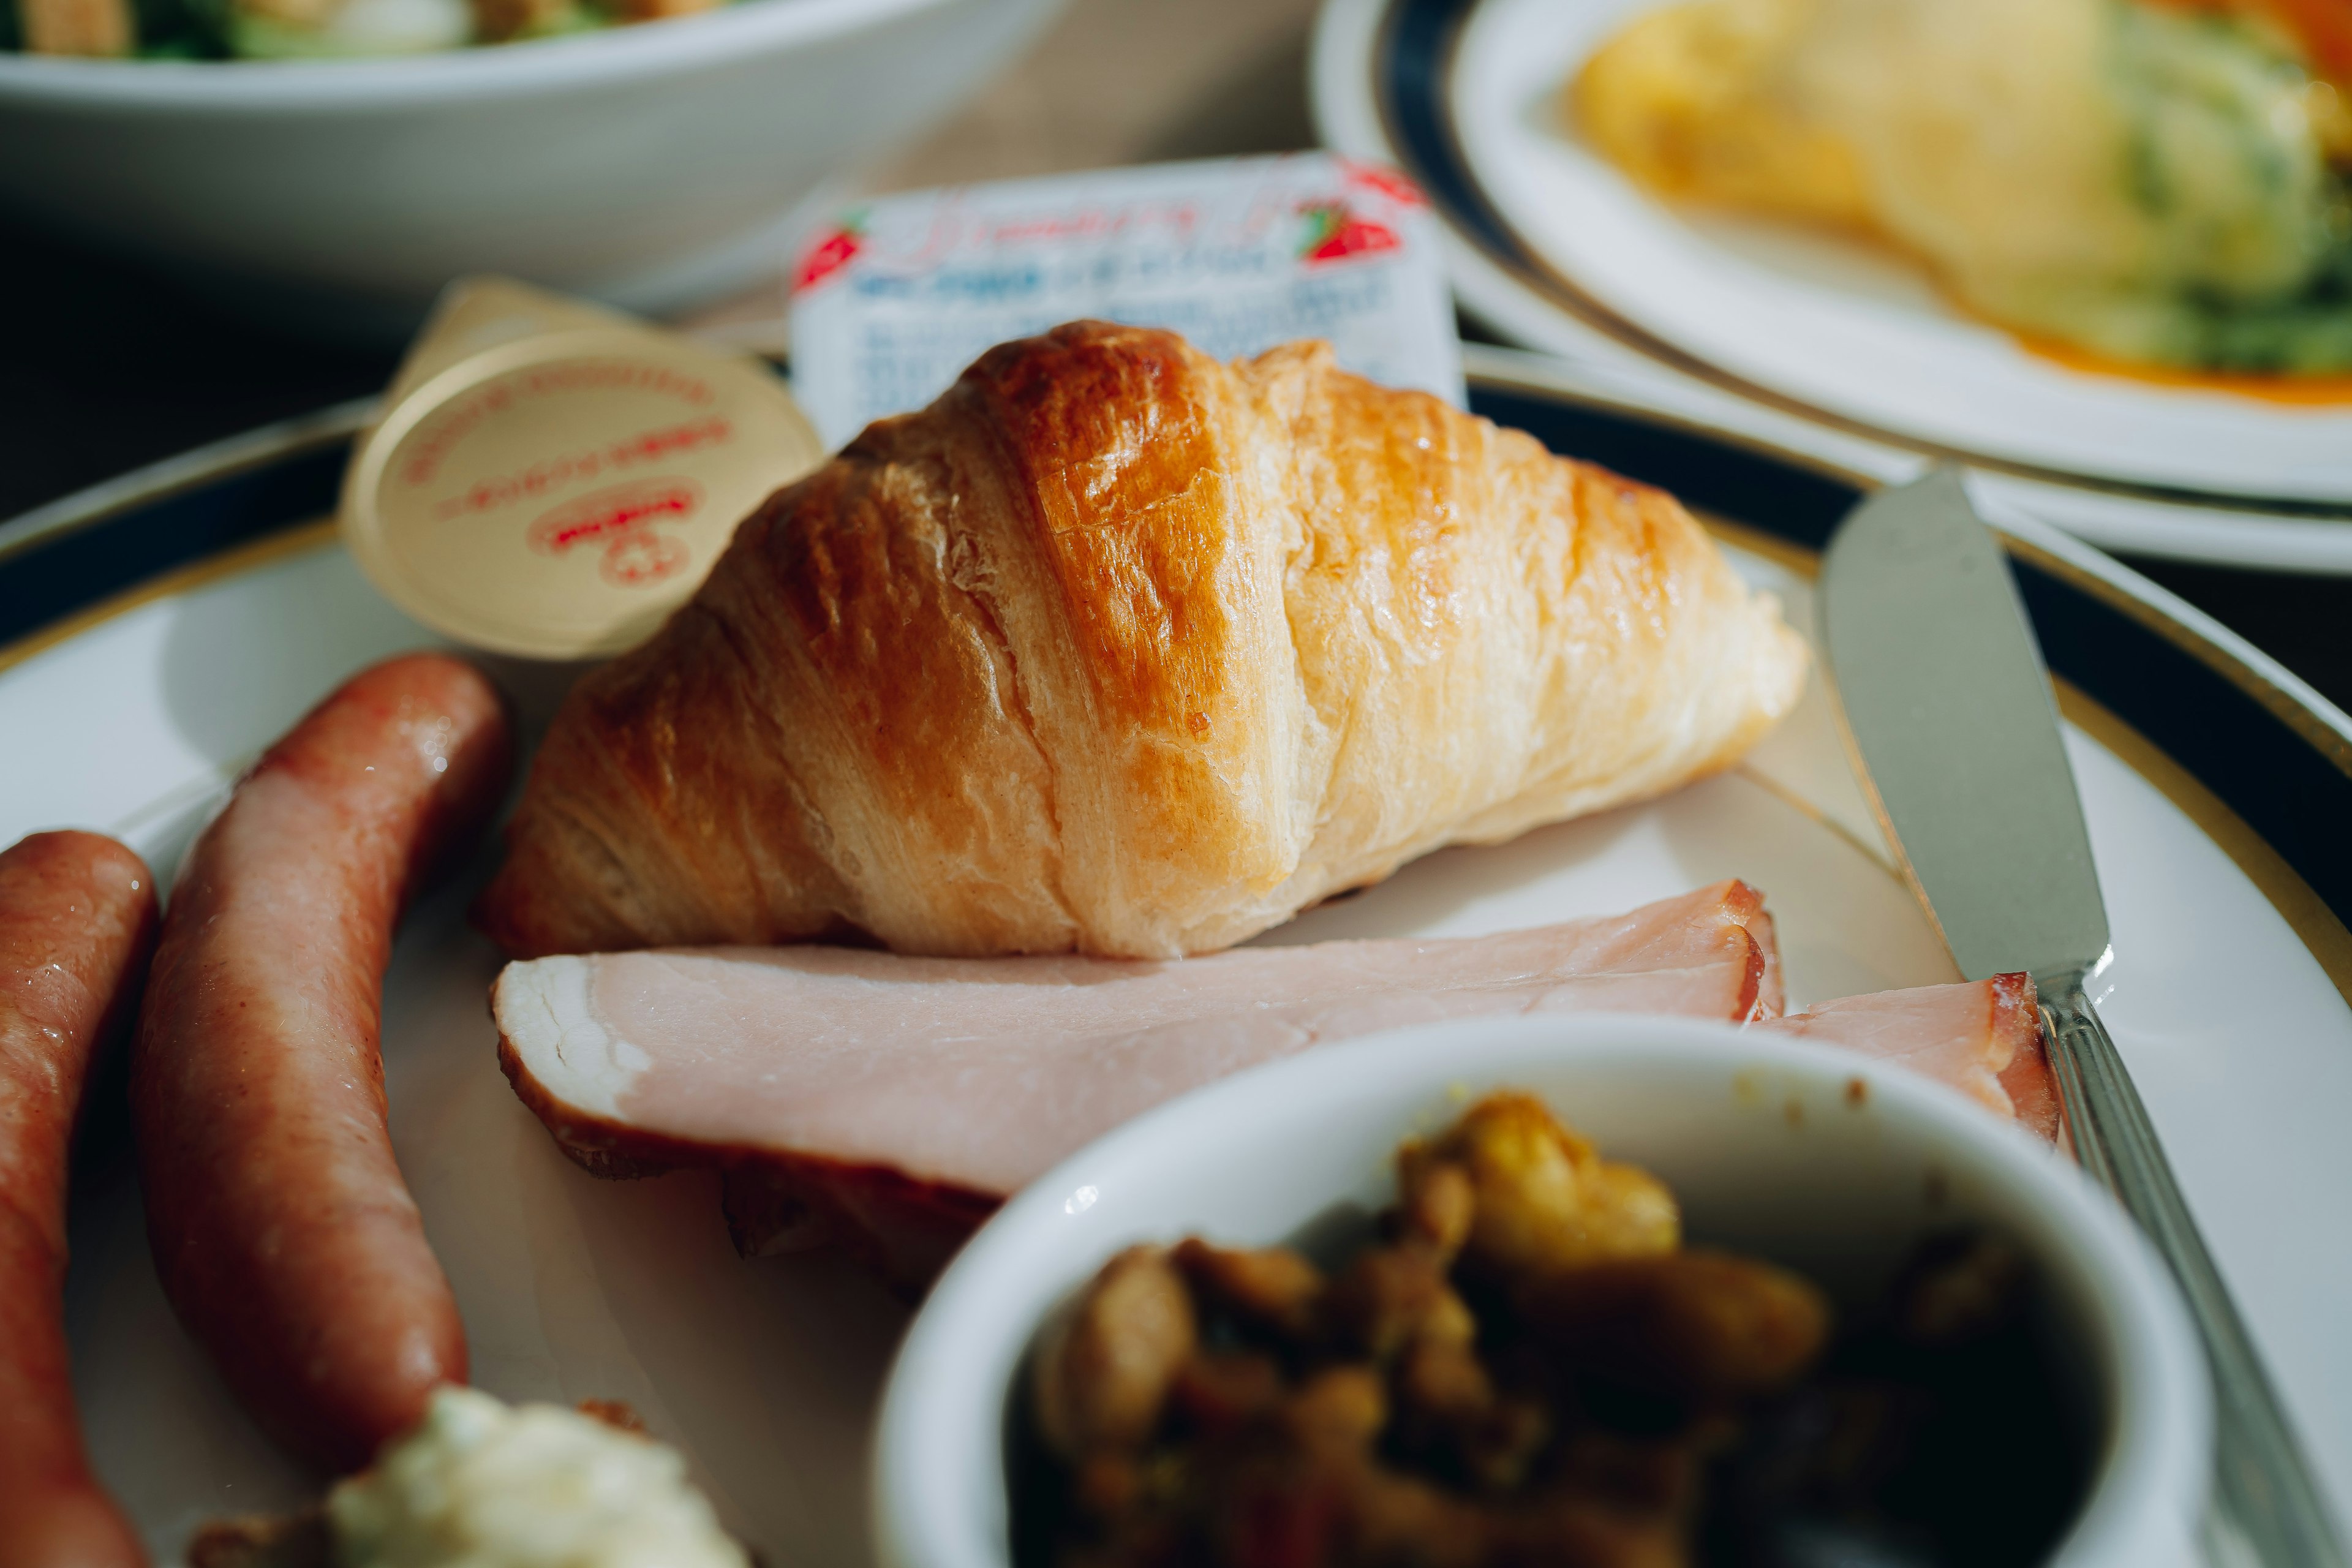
480	1485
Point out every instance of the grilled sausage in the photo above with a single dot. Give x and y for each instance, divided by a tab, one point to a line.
284	1234
76	924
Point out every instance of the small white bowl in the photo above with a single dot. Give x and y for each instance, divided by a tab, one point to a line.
1768	1144
648	166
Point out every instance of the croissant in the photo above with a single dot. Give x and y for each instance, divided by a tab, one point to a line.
1119	649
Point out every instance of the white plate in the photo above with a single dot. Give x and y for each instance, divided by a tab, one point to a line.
1556	249
338	196
133	715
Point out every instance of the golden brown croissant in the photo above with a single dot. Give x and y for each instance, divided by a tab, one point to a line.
1118	649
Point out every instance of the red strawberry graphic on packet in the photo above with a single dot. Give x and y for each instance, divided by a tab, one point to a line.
829	255
1333	233
1383	182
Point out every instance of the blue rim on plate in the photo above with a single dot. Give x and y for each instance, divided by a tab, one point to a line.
61	561
1412	88
2263	772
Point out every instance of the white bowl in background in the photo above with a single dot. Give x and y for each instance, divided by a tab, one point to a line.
1763	1140
648	166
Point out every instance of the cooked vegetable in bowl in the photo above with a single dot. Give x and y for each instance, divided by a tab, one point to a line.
2165	183
306	29
1528	1364
1814	1178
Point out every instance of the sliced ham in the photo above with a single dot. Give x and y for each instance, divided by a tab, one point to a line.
891	1102
1984	1039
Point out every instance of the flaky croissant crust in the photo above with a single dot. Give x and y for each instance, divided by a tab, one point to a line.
1118	649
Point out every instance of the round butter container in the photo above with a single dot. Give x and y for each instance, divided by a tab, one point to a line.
557	497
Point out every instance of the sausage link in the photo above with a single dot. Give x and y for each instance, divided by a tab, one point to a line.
285	1236
76	924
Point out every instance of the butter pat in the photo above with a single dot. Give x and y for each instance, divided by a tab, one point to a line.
551	480
481	1484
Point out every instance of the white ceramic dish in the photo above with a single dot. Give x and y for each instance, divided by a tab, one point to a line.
154	638
1761	1139
647	166
1552	247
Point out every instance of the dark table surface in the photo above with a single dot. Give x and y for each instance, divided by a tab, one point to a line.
108	367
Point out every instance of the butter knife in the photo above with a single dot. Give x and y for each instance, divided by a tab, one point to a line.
1949	710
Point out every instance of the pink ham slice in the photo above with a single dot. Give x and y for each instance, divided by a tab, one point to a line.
890	1103
1983	1038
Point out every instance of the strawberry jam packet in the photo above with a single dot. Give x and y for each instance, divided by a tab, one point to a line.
892	299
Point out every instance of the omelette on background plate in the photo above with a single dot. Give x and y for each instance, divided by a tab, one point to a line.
2167	183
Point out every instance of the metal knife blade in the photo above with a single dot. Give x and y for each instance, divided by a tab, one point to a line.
1947	702
1947	707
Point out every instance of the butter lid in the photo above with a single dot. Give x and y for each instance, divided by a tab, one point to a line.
486	312
552	480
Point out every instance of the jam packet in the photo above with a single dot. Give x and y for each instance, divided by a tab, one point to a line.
1238	254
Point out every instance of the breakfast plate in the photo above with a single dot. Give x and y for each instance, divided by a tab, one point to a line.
1556	249
154	637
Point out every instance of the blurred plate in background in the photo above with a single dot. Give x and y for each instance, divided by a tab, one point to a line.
652	167
1556	249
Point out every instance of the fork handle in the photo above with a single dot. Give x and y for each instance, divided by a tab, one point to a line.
2265	1507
